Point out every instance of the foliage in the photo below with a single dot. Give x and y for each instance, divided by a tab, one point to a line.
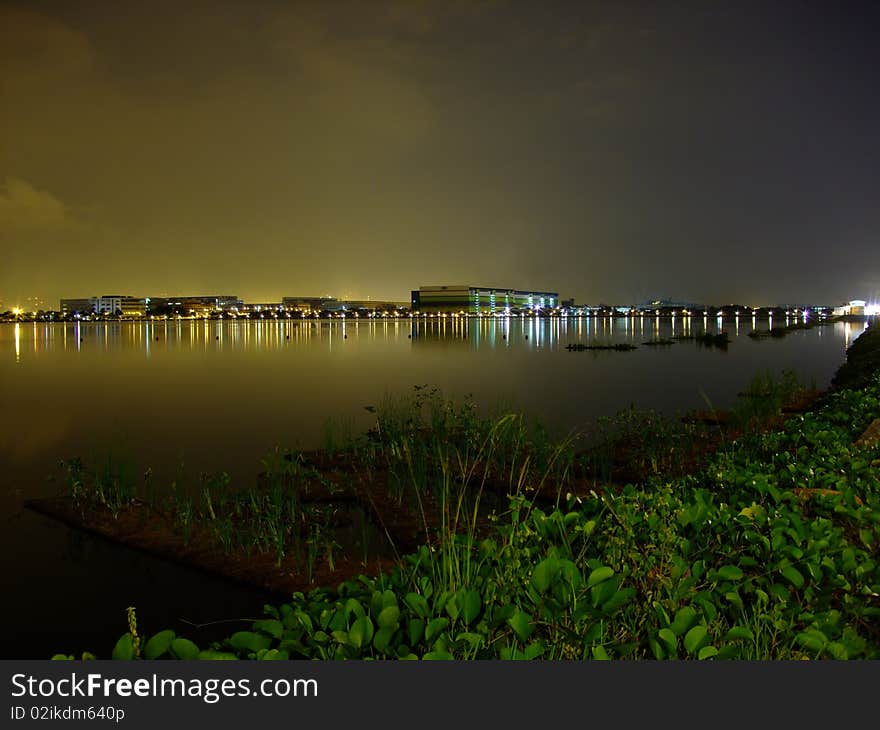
768	553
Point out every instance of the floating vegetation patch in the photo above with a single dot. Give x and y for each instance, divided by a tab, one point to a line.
619	347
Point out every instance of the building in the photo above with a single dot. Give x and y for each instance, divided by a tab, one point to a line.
667	305
261	307
372	306
307	305
195	305
855	308
480	300
107	304
134	306
70	307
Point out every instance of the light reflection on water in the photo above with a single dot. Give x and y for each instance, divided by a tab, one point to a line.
219	394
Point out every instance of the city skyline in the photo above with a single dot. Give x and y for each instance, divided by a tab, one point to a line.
611	151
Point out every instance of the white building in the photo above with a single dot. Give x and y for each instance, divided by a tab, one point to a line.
107	304
855	308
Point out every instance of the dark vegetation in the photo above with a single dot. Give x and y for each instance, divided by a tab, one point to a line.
648	538
862	361
618	347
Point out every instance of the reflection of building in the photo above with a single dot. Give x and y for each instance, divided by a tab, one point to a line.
480	300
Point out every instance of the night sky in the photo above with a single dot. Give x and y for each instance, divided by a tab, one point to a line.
614	152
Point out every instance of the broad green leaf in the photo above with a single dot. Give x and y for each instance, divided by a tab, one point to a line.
415	630
684	619
383	636
388	617
617	600
213	655
656	649
474	641
158	644
522	626
273	655
735	599
247	641
599	575
187	650
124	649
569	572
272	627
793	575
602	592
695	639
812	640
661	613
388	599
443	656
376	604
729	572
434	627
544	574
453	607
707	652
739	633
670	641
417	604
361	632
472	606
598	652
353	606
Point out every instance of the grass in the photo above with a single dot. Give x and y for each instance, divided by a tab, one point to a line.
436	459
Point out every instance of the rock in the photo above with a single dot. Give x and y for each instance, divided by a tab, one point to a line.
871	436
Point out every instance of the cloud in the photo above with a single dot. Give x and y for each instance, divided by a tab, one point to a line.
25	208
37	50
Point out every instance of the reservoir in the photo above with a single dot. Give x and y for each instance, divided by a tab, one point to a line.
182	397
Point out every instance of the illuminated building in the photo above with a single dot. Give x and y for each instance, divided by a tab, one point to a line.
69	307
480	300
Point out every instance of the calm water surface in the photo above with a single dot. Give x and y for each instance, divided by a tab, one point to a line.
211	396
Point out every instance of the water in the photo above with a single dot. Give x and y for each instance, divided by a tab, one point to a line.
202	396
